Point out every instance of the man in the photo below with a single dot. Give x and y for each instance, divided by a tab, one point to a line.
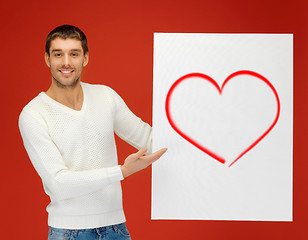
68	132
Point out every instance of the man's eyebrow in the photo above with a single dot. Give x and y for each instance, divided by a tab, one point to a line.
75	50
56	50
72	50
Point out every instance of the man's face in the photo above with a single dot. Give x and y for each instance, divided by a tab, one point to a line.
66	61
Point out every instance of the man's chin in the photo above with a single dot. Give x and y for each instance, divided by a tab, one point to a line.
66	84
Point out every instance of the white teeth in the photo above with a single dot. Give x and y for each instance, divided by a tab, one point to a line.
66	71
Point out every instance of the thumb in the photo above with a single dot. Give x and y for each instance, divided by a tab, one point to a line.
141	152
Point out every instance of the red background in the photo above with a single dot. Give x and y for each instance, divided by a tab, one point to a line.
120	35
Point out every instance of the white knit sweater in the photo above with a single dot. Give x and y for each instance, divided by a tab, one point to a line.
74	153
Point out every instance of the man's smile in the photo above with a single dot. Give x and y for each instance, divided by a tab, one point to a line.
66	72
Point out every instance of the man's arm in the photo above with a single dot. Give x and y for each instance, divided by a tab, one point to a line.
127	125
135	132
60	182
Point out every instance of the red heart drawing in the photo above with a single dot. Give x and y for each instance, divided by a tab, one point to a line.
220	90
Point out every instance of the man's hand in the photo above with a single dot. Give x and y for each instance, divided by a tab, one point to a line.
138	161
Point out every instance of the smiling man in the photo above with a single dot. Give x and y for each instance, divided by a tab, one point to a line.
70	51
66	59
68	132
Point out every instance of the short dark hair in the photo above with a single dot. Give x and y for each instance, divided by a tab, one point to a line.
67	31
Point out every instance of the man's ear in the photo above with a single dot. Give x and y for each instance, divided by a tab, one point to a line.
86	59
46	56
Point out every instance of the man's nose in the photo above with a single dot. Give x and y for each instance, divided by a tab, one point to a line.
66	60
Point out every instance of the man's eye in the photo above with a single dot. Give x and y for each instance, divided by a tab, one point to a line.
74	54
58	54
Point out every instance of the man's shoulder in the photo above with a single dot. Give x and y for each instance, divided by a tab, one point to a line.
99	90
34	104
96	87
32	108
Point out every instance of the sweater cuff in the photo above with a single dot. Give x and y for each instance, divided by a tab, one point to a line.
115	174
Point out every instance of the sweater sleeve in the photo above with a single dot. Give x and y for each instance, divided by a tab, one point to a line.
59	182
128	126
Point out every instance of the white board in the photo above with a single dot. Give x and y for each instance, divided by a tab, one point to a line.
223	105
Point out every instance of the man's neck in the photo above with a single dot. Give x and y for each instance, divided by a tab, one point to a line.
71	97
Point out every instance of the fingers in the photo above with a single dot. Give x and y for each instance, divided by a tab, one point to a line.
154	156
160	152
137	161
